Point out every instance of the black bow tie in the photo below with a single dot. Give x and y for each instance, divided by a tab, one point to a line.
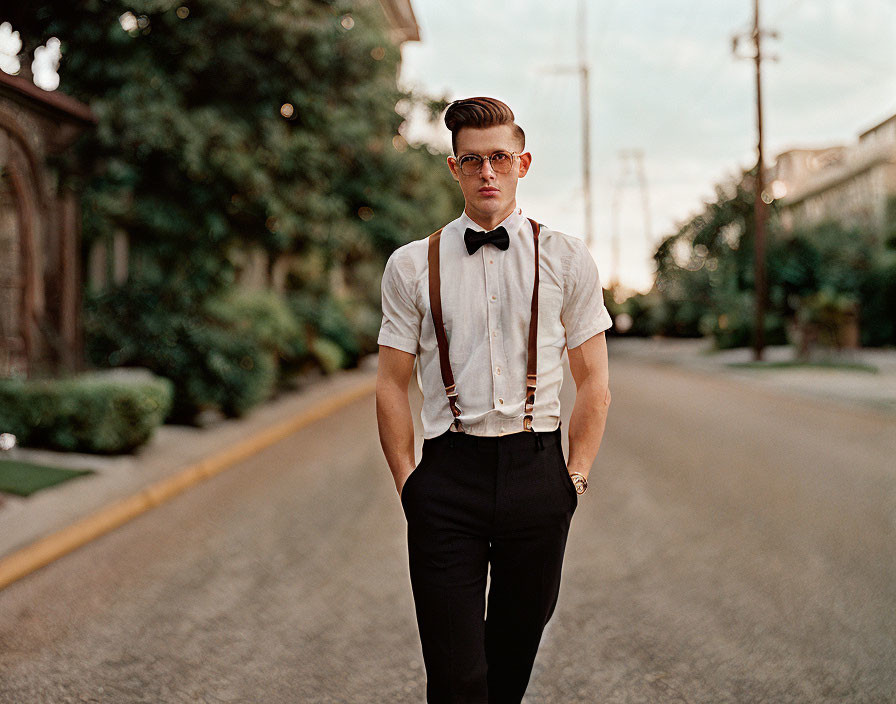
474	239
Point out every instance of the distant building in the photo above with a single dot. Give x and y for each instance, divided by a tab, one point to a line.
40	263
402	21
851	184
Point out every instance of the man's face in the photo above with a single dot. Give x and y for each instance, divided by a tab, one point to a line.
489	196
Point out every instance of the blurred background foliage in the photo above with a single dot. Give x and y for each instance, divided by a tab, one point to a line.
233	128
831	284
228	127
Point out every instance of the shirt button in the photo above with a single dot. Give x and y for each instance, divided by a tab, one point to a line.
491	261
497	370
494	298
494	333
501	400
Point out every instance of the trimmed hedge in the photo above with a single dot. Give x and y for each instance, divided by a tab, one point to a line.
99	413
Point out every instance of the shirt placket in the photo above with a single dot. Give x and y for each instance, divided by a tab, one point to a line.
492	264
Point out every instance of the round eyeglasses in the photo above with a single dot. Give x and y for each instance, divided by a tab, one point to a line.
501	162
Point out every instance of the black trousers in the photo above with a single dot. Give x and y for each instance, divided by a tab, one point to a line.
473	503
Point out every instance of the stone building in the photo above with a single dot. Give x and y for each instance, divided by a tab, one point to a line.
852	184
39	230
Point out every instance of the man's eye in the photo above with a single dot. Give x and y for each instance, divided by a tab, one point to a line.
469	159
500	156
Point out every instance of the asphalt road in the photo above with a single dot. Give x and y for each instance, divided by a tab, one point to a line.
736	545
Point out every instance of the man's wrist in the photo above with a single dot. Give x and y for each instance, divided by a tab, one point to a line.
580	481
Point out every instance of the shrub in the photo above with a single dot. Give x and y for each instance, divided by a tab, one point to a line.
878	304
732	325
212	365
89	413
643	311
333	341
265	317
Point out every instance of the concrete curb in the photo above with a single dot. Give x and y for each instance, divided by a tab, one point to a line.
46	550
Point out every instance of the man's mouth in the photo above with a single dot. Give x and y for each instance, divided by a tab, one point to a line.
488	190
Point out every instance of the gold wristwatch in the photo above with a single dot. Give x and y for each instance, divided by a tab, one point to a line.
579	481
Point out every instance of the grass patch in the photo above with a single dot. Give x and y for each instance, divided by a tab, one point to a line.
24	478
794	364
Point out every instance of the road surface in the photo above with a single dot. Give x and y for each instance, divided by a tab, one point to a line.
735	545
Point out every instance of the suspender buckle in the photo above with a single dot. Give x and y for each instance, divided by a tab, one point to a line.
530	399
530	392
451	392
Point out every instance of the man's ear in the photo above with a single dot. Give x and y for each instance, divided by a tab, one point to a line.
452	166
525	163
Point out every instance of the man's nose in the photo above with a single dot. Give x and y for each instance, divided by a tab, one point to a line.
486	170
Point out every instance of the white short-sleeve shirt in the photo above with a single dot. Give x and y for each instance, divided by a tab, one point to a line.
486	306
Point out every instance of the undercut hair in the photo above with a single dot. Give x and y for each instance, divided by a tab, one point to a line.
480	113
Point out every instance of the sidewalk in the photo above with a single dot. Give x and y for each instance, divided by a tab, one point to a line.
852	387
171	451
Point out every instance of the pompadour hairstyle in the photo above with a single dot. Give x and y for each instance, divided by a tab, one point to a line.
480	112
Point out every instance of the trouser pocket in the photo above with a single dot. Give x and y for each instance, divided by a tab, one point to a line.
412	479
567	480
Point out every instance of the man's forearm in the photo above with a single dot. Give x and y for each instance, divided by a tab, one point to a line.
587	423
396	428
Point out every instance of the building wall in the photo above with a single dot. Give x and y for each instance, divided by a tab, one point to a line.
39	230
849	184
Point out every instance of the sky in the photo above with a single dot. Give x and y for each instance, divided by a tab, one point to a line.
664	81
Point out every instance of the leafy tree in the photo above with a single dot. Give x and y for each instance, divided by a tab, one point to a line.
225	124
705	270
818	276
234	125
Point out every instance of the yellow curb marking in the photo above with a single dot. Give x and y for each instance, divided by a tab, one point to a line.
46	550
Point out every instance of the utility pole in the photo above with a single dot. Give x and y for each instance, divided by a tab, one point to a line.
635	159
582	69
645	200
586	125
760	214
614	230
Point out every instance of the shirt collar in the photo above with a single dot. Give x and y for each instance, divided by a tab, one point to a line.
511	223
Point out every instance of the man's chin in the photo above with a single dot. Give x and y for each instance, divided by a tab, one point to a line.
490	205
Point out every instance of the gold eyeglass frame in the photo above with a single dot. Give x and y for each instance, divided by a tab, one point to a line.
486	157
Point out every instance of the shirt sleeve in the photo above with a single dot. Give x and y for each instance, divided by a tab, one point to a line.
401	317
583	313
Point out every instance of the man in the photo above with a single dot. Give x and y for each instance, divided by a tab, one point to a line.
487	329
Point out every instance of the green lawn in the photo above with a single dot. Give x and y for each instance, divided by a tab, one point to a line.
24	478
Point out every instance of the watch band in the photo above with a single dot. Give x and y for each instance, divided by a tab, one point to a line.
579	481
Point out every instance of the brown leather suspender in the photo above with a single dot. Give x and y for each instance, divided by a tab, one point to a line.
532	363
435	304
